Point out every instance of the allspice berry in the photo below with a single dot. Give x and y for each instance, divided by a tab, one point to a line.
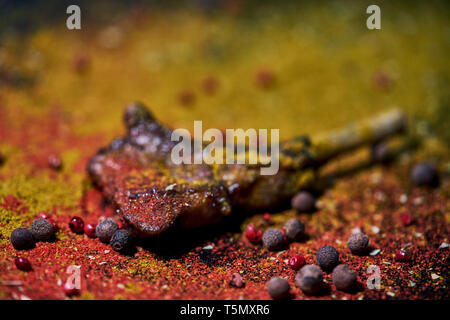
23	264
122	241
358	243
106	230
310	279
304	202
425	174
278	288
294	229
273	239
22	239
344	278
327	258
381	153
41	229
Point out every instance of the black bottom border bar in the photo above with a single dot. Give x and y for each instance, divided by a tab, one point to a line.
219	309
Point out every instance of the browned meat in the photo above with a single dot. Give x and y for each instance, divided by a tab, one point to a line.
152	194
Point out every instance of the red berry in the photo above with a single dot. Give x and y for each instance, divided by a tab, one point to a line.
296	262
403	255
76	224
89	229
54	162
236	281
267	217
23	264
382	80
186	97
210	84
53	222
42	215
253	234
120	224
81	63
70	289
406	219
250	227
11	202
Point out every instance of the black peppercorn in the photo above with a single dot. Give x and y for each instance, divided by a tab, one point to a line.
295	229
22	239
106	229
41	229
327	258
122	241
273	239
278	288
358	243
344	278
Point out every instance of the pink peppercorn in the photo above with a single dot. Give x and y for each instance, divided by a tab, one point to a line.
406	219
267	218
296	262
76	224
53	223
253	234
186	97
42	215
403	255
54	162
89	230
23	264
70	290
209	85
264	78
382	80
236	280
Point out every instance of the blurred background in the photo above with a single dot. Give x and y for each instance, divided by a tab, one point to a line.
300	66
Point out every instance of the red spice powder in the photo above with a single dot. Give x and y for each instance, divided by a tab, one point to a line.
202	272
199	266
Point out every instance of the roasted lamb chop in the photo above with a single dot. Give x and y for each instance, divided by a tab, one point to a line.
152	194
